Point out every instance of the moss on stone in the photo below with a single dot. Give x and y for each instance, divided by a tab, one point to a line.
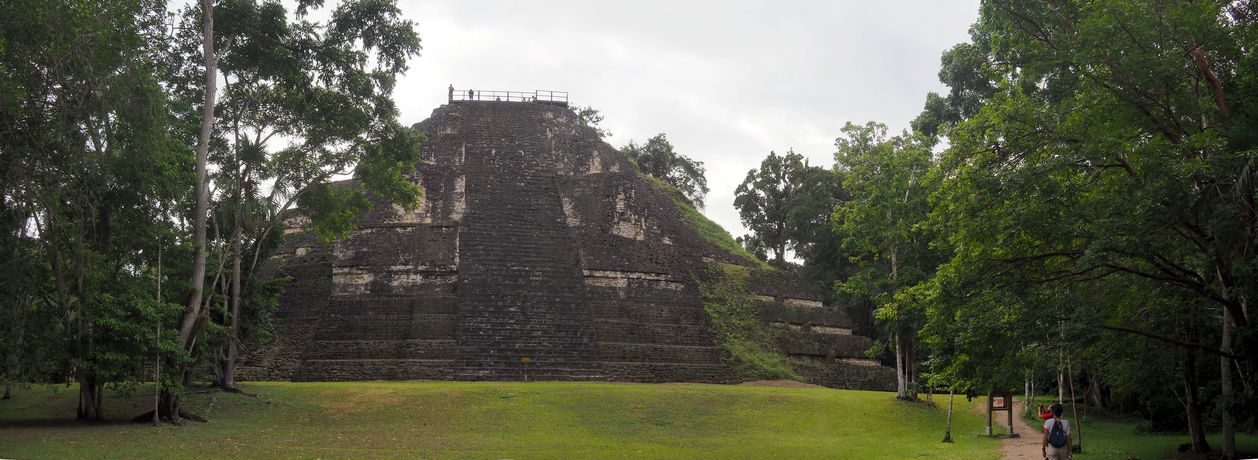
749	343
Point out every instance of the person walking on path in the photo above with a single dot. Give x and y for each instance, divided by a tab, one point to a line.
1056	442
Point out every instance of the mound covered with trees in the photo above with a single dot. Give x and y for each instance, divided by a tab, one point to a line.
1076	214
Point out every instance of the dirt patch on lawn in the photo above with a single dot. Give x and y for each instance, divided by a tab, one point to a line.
361	400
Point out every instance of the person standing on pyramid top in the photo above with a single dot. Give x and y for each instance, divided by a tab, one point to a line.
451	93
471	95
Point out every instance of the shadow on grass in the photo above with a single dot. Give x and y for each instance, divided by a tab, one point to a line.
61	423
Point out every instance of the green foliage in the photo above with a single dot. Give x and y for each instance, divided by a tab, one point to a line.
748	343
657	159
809	218
1097	196
889	181
591	118
92	172
967	72
303	102
767	200
99	108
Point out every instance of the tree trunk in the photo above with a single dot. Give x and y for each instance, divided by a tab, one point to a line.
13	362
192	310
1077	428
11	372
91	391
233	338
1095	392
1061	386
913	364
901	387
948	427
193	306
1192	404
157	355
1225	381
1026	390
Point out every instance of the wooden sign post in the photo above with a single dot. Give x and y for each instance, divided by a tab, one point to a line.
998	401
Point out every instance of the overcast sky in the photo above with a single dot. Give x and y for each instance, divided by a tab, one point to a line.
727	81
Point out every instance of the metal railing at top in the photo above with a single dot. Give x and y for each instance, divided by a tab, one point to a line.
541	95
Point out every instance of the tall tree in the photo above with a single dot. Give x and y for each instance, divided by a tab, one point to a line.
192	320
889	181
656	158
814	241
766	197
89	162
1117	146
305	102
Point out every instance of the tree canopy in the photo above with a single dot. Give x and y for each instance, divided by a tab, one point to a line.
766	197
656	158
99	111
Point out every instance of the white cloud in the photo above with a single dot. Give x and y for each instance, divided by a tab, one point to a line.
727	81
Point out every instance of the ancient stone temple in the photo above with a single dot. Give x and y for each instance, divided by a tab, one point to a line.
538	253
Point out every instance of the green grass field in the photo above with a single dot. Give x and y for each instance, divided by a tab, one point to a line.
534	420
500	420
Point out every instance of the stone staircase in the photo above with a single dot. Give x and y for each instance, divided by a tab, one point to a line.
522	313
381	339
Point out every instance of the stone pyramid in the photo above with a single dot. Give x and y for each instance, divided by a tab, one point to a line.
538	253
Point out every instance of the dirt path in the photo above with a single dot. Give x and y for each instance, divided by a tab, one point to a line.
1027	445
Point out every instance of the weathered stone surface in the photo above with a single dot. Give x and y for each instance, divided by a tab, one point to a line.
537	253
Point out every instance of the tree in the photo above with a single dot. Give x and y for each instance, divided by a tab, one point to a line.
814	240
964	68
312	86
589	116
89	162
191	322
657	159
765	198
1115	148
889	181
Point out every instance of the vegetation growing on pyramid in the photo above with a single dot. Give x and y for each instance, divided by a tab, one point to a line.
748	343
711	232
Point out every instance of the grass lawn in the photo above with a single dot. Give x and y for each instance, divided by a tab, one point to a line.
1107	436
500	420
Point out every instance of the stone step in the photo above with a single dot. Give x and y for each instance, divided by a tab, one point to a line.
838	374
662	333
679	313
669	372
489	346
657	353
428	305
382	349
373	369
418	327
